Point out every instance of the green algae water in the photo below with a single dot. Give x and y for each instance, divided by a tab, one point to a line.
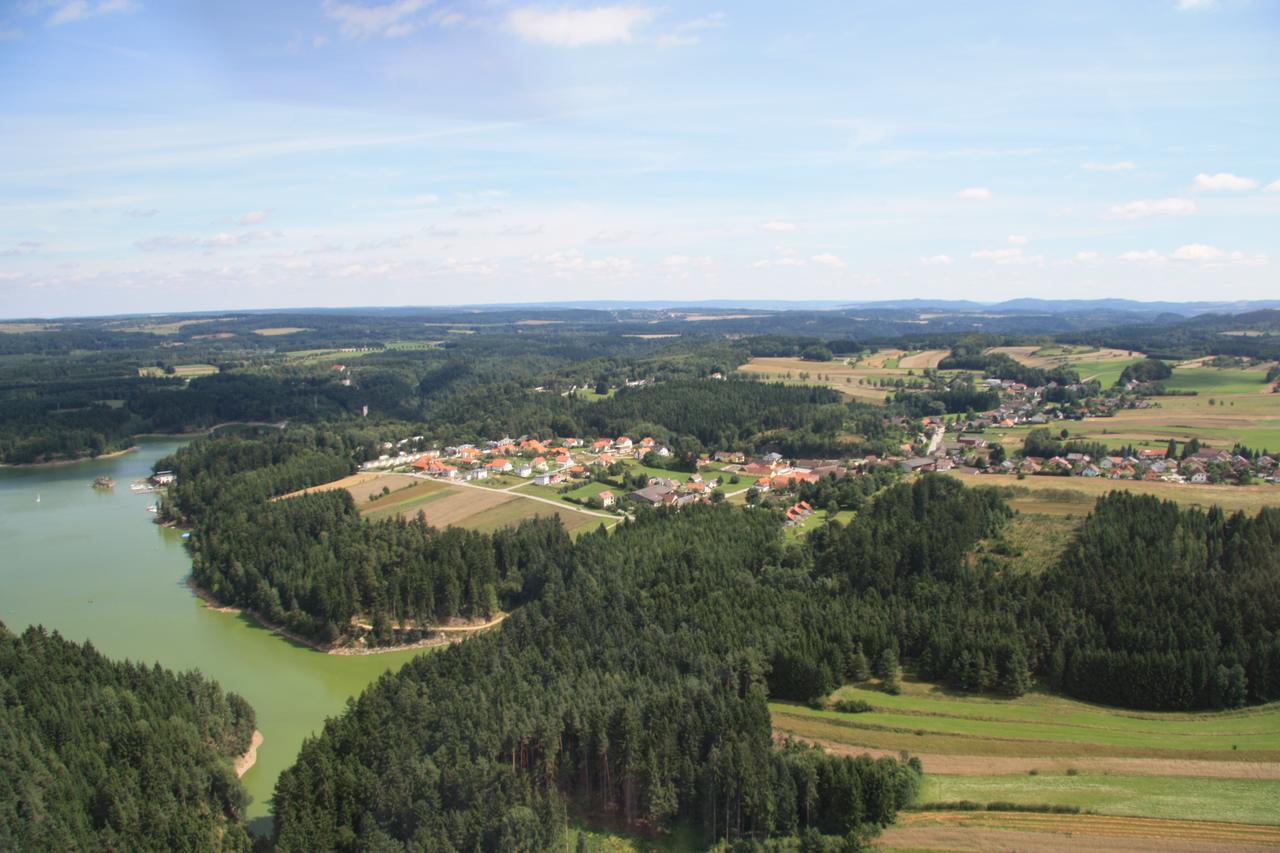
92	565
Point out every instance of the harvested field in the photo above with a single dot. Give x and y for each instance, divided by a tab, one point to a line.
184	371
986	831
858	382
275	331
925	358
362	485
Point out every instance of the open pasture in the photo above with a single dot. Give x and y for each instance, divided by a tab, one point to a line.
838	375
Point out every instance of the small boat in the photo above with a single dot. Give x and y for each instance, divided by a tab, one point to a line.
186	536
153	508
37	497
104	482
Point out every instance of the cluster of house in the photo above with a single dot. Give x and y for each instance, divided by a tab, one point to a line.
798	512
1022	404
663	491
545	462
1204	466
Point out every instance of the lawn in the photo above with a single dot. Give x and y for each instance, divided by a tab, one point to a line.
1185	798
816	520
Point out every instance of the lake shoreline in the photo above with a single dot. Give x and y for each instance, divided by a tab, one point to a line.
54	463
245	762
444	636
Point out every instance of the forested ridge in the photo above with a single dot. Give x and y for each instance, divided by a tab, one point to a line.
634	687
104	755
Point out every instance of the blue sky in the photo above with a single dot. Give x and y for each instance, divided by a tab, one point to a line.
159	156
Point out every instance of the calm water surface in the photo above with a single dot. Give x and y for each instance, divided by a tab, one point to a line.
93	566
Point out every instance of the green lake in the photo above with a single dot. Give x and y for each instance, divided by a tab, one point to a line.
92	565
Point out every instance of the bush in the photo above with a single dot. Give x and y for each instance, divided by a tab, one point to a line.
853	706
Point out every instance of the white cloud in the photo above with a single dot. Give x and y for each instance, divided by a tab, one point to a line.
1152	207
826	259
690	32
1019	240
391	20
253	217
786	227
1273	187
1150	256
778	262
937	261
1088	257
1006	256
1117	166
573	261
1212	254
578	27
79	10
1224	181
476	212
1191	5
683	262
975	194
213	241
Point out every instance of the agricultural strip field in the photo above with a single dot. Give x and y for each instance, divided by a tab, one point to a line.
1140	769
484	510
1044	833
1055	495
275	331
185	371
924	358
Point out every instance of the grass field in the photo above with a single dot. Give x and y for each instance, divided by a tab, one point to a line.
156	328
1049	833
1056	495
184	371
26	328
1032	541
1182	798
816	520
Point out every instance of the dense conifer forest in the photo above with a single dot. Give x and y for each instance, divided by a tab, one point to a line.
101	755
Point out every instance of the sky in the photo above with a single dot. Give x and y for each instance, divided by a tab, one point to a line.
165	155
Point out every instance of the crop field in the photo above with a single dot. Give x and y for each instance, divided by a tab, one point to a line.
1043	833
185	371
275	331
1055	495
407	495
157	328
